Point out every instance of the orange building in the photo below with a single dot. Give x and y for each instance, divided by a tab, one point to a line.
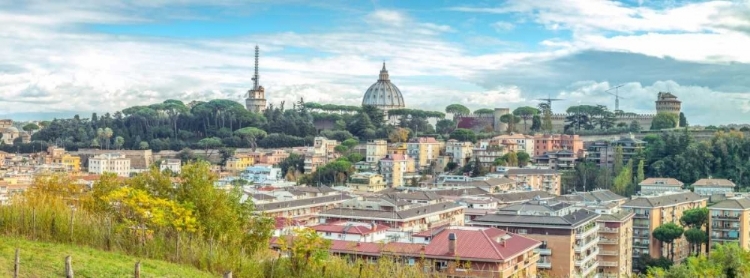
555	142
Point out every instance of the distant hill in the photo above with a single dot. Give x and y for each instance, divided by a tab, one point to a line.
41	259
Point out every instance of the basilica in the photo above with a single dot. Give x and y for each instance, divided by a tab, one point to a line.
384	94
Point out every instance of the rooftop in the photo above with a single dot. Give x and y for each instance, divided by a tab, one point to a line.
531	171
664	200
661	181
714	183
571	220
735	203
396	215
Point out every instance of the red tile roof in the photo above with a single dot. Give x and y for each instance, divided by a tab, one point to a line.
353	229
282	222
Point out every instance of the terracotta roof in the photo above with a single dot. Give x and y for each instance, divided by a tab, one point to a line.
661	181
741	203
364	214
522	196
423	140
282	222
714	183
286	205
349	229
394	157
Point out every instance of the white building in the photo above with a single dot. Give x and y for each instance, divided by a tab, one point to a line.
174	165
375	150
710	186
352	231
653	186
261	174
459	152
524	142
110	163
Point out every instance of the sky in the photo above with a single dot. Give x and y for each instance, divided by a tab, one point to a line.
61	59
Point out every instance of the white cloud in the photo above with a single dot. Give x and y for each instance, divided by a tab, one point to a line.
502	26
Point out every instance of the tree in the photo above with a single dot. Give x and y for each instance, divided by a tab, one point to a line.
683	120
398	135
450	166
209	144
696	238
119	141
536	123
618	160
477	170
445	126
306	249
143	145
457	110
523	158
511	159
251	135
484	111
667	233
526	113
462	134
623	180
546	116
30	127
664	120
511	120
641	174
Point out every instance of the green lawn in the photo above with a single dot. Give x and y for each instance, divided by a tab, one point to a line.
41	259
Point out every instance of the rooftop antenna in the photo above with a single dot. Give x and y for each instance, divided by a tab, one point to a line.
616	94
549	101
256	77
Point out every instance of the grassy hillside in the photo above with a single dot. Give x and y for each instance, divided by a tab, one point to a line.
40	259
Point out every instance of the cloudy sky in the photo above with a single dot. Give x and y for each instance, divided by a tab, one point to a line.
103	56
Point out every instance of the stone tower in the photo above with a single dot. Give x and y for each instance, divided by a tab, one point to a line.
256	97
498	125
667	103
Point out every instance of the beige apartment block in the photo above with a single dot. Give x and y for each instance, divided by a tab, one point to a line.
425	151
375	150
616	244
729	221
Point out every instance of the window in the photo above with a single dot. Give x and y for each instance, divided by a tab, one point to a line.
328	233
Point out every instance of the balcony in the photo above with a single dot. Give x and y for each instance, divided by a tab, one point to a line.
727	217
582	261
608	253
585	246
607	263
607	241
609	230
586	231
546	264
641	244
586	270
542	251
640	215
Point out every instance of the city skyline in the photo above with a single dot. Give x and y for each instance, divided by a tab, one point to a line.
80	58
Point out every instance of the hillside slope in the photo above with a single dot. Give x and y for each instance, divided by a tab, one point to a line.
41	259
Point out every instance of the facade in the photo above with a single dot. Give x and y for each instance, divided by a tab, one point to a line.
523	142
615	243
352	231
376	149
174	165
569	235
460	152
557	160
305	210
239	162
603	152
487	154
256	97
729	221
313	161
367	181
383	94
666	102
536	179
425	151
555	142
395	168
651	186
709	186
71	162
261	174
653	211
110	163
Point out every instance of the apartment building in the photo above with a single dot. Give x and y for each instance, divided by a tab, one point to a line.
603	152
261	174
711	186
367	182
652	186
555	142
557	160
110	163
460	152
174	165
303	209
615	241
395	168
239	162
487	155
536	179
425	151
654	210
559	226
375	150
522	142
729	221
71	162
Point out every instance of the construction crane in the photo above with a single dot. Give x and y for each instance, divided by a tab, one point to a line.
617	96
549	101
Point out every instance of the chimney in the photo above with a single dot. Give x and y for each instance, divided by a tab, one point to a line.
452	243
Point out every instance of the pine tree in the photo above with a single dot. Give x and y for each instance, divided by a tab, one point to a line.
641	176
618	160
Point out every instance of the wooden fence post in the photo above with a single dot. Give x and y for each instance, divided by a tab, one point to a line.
17	263
228	274
137	273
68	267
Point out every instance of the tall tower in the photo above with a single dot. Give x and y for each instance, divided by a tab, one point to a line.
256	97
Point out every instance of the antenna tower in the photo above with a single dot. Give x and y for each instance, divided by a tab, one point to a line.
616	94
256	77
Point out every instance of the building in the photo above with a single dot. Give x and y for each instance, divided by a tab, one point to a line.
395	168
273	157
10	134
256	97
487	155
523	142
313	161
174	165
556	160
556	142
352	231
603	152
653	211
110	163
376	149
325	146
425	151
139	159
304	209
569	235
383	94
261	174
460	152
71	162
729	221
710	186
483	122
239	162
536	179
367	181
651	186
666	102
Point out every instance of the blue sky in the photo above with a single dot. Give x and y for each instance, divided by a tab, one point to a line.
64	58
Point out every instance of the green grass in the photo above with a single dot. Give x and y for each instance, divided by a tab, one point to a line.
41	259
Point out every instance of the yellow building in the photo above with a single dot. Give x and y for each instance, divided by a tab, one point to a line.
370	182
425	150
729	221
615	244
537	179
653	211
239	162
376	150
394	167
398	148
71	162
